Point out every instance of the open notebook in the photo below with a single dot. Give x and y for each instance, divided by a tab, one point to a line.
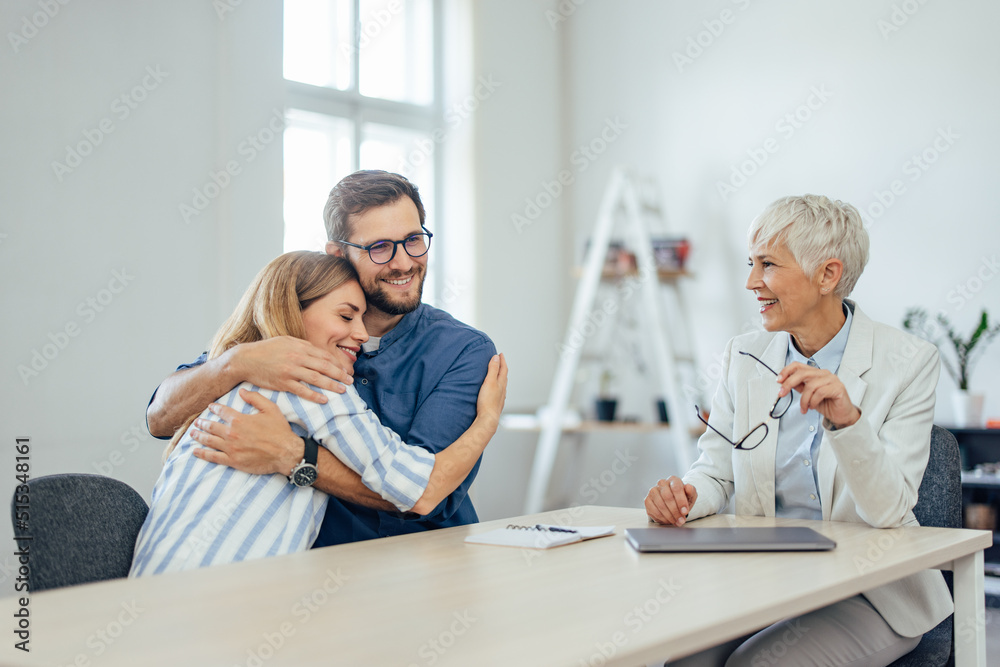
539	536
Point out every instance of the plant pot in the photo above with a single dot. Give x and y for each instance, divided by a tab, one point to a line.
968	409
605	408
661	411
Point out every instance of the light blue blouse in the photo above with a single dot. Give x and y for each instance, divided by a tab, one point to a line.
796	490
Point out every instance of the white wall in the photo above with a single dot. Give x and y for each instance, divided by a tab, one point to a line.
517	145
881	100
62	241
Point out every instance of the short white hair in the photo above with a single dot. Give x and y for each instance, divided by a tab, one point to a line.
815	228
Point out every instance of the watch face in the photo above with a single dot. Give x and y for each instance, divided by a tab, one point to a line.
304	475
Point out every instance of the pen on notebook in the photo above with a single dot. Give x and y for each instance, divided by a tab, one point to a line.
553	529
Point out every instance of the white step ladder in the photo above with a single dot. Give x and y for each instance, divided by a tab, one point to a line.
623	196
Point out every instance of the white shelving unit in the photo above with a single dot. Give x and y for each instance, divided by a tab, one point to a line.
662	320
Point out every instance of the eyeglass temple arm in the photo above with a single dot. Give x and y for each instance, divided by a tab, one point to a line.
759	361
705	422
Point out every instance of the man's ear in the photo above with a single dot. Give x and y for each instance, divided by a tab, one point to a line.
334	249
832	270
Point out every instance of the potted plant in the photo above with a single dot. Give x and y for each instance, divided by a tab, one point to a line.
606	404
968	407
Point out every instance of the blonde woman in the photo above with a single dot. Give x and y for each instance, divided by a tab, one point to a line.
204	513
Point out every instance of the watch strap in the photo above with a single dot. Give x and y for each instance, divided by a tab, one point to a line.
311	455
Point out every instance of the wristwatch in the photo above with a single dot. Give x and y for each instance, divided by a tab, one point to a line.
304	474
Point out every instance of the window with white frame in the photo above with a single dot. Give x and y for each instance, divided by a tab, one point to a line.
363	81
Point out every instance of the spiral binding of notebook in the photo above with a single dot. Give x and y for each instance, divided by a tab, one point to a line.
538	526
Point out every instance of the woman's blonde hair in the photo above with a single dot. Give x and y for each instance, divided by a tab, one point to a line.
273	304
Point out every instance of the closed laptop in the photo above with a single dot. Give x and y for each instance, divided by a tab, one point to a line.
775	538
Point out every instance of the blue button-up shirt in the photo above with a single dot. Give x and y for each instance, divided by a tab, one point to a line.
422	380
796	482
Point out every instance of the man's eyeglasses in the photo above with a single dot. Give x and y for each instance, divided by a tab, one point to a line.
383	252
759	432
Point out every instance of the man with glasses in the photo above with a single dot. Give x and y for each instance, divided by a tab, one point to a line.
420	372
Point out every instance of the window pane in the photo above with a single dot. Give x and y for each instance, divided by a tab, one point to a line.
318	42
405	152
317	155
396	48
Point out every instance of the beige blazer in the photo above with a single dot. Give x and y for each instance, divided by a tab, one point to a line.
868	472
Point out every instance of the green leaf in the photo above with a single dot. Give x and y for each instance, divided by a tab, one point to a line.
983	326
916	321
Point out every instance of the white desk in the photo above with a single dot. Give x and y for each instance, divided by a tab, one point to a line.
430	599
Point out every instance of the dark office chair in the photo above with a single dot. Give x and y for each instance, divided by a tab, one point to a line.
939	504
82	527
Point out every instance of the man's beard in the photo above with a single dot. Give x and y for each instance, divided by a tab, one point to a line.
379	296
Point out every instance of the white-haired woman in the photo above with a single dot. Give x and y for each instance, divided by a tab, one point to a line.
824	415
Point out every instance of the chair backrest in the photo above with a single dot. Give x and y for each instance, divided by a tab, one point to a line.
83	529
939	501
939	504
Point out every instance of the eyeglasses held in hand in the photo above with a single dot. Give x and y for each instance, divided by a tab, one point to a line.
759	432
383	252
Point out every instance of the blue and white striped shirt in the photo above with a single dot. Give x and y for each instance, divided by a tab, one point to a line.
204	513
